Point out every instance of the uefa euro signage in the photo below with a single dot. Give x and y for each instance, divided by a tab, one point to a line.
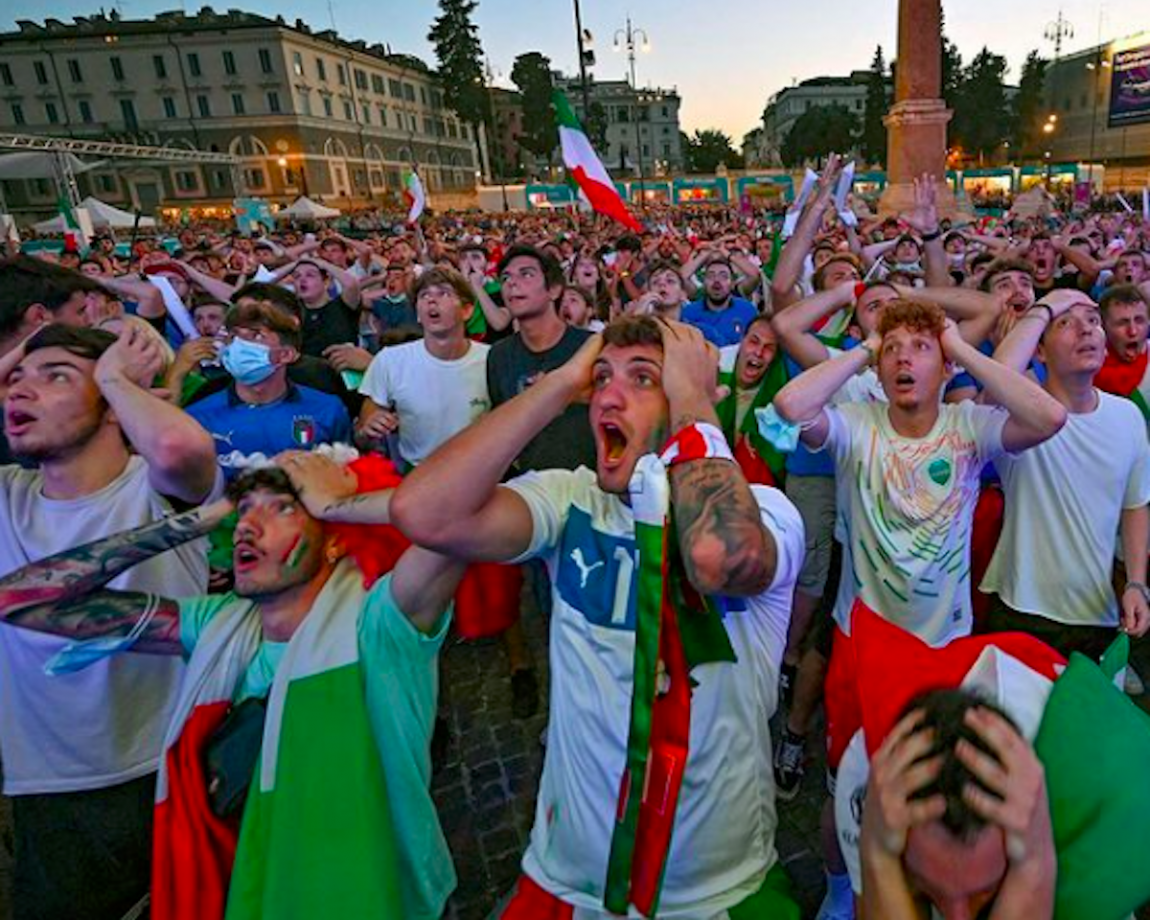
1130	87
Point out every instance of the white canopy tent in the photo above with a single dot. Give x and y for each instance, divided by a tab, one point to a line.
33	164
102	214
306	209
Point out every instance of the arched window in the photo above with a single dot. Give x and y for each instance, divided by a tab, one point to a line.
247	145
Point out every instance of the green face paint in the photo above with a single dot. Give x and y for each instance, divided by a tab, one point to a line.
296	553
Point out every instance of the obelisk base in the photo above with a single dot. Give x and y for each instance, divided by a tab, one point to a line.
916	132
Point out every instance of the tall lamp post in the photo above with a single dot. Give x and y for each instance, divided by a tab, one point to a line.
626	38
1098	67
490	75
582	40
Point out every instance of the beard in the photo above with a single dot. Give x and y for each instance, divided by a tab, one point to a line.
37	453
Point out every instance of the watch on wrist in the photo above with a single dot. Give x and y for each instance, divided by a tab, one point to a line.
932	236
1140	588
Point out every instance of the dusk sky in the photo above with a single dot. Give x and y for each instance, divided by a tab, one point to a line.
725	59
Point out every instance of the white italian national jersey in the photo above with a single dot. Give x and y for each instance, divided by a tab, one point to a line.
723	842
907	505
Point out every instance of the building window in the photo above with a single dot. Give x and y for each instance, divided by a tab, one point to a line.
452	131
160	66
464	132
52	113
395	88
646	150
6	75
229	63
341	73
41	188
423	95
204	104
377	85
297	63
383	115
305	102
321	69
74	71
666	112
366	114
128	112
194	64
238	103
360	80
41	73
17	113
265	61
327	110
106	184
187	180
169	106
273	102
667	150
254	178
117	68
409	92
85	112
348	113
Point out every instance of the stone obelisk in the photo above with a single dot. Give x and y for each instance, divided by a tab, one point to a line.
916	123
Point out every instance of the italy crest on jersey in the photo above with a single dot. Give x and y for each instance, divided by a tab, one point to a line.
303	430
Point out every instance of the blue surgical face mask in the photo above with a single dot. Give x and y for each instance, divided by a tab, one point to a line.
248	362
76	656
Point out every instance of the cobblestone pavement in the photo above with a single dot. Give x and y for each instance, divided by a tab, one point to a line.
486	789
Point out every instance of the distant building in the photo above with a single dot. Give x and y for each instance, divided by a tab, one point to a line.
309	113
642	126
507	157
786	106
1078	88
755	154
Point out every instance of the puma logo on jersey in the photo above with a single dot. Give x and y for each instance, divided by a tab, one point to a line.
224	438
585	570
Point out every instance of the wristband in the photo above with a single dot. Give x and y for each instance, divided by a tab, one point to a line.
1046	307
932	236
700	441
1140	588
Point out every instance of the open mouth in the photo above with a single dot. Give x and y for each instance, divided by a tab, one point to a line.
245	557
18	421
904	381
614	443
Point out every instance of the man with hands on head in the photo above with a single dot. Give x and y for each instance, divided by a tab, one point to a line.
647	380
955	820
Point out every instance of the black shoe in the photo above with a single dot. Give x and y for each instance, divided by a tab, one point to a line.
524	693
789	757
787	674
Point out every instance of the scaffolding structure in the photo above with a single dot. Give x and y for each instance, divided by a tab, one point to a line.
65	177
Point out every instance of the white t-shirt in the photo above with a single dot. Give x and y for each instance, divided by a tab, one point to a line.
103	725
906	506
1064	504
434	399
723	843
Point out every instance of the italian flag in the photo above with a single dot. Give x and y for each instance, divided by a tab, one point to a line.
413	194
73	233
584	166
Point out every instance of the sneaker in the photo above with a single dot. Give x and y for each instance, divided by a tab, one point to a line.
787	674
839	903
1132	683
789	757
524	693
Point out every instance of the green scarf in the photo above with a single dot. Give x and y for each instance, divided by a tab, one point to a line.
773	380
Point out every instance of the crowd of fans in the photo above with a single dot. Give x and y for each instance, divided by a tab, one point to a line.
264	464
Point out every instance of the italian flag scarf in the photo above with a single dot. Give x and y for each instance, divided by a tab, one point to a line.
585	168
316	838
1122	378
748	432
675	630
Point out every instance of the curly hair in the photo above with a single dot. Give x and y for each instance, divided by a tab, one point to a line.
913	315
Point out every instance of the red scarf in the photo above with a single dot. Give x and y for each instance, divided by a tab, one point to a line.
1121	377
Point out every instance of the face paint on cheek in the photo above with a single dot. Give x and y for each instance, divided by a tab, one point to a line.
295	553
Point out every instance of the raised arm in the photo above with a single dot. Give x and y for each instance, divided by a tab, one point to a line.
149	300
794	324
348	282
975	312
64	594
804	399
924	219
498	318
453	503
1035	415
218	289
790	267
725	547
180	454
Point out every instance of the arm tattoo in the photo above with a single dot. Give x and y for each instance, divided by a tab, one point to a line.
106	613
718	519
62	593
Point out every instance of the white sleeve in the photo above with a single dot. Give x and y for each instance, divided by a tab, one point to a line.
985	424
785	525
840	429
548	495
374	385
1138	483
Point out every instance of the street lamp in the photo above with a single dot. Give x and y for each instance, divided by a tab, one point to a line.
1096	66
628	37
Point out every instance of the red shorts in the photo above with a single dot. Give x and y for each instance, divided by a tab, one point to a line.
487	600
841	698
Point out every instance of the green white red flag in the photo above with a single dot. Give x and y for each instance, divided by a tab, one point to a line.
413	194
584	166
